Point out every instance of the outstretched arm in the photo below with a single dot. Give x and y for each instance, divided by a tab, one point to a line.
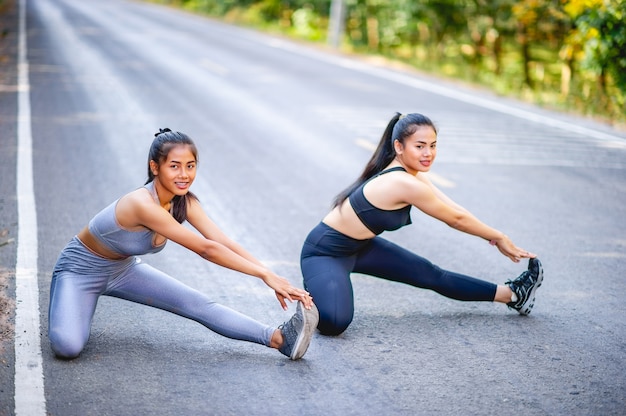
430	199
213	245
281	286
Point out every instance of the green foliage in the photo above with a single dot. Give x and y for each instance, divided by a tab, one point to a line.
601	33
569	54
306	24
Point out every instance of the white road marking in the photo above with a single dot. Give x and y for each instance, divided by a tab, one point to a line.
214	67
29	388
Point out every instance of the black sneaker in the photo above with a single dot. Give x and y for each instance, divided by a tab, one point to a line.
297	331
525	286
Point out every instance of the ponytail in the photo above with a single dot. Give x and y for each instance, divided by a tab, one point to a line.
399	128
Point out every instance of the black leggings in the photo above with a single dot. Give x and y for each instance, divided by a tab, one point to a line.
328	257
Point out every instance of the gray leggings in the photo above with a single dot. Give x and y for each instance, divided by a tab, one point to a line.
81	277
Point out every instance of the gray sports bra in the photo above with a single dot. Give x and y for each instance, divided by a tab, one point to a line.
105	228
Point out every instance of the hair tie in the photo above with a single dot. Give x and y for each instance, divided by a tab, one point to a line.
395	131
161	131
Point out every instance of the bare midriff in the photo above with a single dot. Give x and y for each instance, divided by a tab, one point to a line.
96	247
343	219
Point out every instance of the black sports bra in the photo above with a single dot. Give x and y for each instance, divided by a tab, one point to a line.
375	219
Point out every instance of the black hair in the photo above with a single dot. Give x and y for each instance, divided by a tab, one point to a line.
163	142
399	128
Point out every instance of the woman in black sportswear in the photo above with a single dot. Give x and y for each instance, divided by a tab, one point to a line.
380	200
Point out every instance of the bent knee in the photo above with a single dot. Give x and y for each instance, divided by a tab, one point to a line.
333	327
64	347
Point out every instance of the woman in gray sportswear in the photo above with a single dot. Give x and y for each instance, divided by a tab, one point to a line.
101	260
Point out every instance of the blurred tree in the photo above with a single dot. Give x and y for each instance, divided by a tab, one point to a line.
599	37
539	21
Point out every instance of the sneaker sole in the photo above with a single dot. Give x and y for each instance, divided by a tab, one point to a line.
528	306
310	317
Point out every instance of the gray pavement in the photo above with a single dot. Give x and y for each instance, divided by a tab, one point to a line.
281	128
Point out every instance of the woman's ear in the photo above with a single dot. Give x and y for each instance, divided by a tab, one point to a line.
398	147
154	168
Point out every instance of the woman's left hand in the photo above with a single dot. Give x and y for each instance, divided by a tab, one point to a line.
285	291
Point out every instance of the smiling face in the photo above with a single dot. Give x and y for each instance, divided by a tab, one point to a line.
419	150
175	174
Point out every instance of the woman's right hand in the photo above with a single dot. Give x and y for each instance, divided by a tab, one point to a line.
506	247
285	291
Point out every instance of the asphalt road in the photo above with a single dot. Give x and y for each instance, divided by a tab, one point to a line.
281	128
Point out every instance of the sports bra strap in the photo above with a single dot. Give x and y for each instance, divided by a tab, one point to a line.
394	169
